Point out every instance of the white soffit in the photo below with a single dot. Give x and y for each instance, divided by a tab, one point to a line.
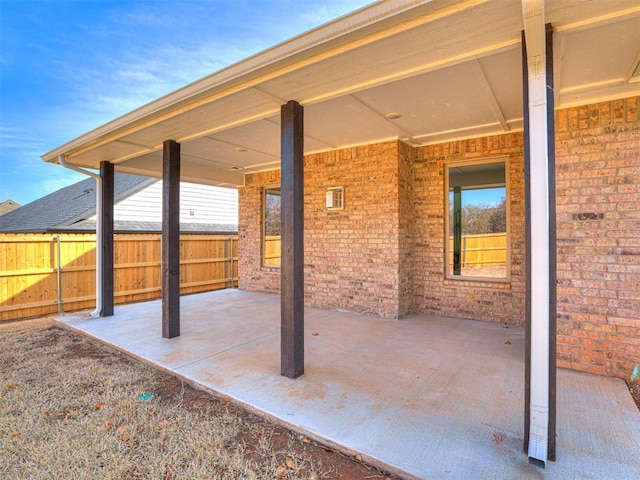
595	62
339	121
451	69
438	101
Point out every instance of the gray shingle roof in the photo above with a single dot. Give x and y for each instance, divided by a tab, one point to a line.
67	205
7	206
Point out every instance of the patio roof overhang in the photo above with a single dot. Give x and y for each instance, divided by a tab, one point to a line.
450	69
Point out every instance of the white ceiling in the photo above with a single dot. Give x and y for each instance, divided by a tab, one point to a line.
450	69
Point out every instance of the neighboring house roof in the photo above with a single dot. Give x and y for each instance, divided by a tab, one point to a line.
71	209
67	205
8	206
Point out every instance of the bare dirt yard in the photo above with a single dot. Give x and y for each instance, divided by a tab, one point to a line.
71	408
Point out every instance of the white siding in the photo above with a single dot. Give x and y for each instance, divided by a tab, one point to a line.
198	204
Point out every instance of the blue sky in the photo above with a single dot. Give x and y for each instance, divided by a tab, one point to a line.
67	67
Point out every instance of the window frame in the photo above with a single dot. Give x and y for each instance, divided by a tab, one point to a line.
263	226
447	250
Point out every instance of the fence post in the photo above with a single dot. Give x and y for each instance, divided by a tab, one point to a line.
231	258
59	272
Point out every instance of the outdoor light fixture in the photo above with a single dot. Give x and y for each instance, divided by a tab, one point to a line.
393	115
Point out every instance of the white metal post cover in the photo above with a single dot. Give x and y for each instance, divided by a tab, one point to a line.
534	30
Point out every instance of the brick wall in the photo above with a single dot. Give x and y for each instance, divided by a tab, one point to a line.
405	228
598	226
433	293
251	275
351	255
384	253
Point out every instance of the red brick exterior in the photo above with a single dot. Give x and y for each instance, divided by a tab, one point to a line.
598	228
251	275
351	255
433	293
384	253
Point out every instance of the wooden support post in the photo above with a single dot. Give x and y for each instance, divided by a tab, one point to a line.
527	232
107	199
171	239
553	303
292	246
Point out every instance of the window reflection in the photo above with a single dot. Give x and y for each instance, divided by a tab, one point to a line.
271	234
477	221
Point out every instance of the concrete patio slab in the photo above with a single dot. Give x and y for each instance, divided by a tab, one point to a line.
425	397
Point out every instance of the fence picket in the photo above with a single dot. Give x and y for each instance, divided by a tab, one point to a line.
32	284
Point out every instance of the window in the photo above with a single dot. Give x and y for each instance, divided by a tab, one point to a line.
477	224
271	233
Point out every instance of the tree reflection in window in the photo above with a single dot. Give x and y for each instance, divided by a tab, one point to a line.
477	221
271	233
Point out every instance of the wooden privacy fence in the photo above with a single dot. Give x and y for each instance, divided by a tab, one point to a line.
483	250
272	250
42	274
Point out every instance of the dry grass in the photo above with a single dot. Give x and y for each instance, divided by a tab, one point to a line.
70	408
634	388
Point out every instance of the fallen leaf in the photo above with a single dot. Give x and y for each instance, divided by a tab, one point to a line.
46	413
305	440
15	434
226	399
281	470
507	342
289	463
126	437
315	334
68	415
358	458
11	385
100	406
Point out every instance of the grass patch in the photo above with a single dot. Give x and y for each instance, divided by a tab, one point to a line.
72	408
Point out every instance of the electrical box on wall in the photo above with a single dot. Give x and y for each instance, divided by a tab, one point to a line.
335	198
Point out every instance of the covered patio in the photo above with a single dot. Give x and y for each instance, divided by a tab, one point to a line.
425	397
380	105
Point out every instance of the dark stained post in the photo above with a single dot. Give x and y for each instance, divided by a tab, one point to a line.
527	267
553	277
106	210
171	239
292	250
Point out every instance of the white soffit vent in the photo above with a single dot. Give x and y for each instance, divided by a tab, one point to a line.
335	198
